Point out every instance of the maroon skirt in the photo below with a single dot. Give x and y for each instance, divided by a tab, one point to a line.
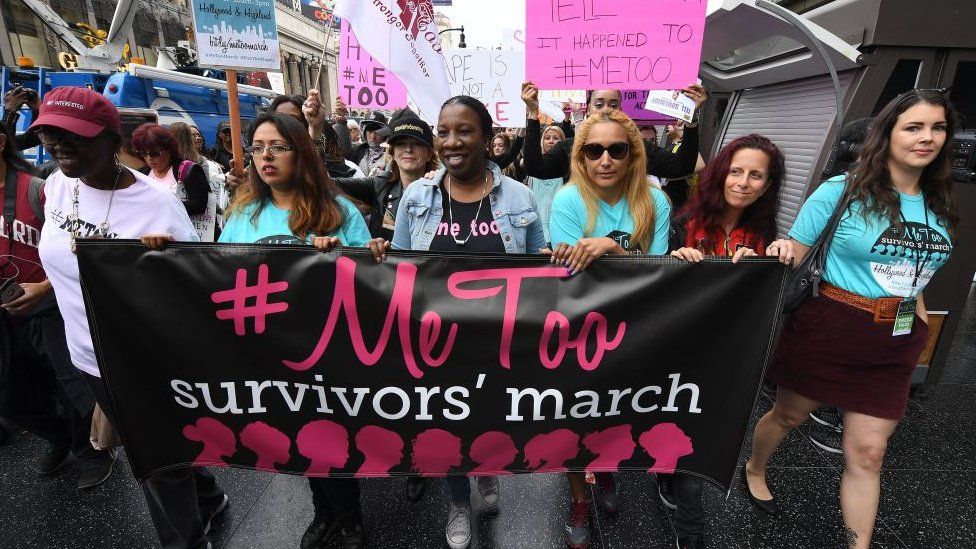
836	354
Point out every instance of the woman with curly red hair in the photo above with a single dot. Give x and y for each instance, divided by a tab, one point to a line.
164	165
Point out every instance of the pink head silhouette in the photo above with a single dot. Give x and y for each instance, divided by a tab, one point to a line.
218	441
383	450
611	446
270	444
550	451
324	442
665	443
494	451
435	452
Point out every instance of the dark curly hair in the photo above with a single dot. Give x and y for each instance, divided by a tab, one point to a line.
872	184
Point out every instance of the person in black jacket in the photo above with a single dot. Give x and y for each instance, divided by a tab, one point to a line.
13	100
222	152
165	166
412	147
555	163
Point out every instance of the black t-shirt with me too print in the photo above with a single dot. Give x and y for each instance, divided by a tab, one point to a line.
485	233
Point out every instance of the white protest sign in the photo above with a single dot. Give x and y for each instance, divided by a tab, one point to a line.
495	77
551	101
237	34
513	39
277	81
671	103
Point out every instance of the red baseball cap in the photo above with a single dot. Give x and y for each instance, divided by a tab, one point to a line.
78	110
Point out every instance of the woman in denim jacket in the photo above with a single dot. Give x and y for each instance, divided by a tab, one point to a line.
467	207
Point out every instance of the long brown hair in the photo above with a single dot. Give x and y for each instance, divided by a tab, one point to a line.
872	181
637	189
316	209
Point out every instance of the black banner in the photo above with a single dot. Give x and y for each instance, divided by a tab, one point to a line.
285	359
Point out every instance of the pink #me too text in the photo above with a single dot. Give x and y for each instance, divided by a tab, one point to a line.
509	280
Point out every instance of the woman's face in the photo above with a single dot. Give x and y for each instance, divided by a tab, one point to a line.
198	142
550	138
411	155
461	142
78	156
498	147
159	160
604	100
748	178
354	134
917	137
606	171
277	171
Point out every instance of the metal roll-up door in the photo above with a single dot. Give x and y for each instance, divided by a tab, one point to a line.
797	116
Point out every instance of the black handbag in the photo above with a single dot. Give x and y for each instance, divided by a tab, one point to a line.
804	280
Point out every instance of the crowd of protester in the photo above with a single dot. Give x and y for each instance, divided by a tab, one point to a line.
573	193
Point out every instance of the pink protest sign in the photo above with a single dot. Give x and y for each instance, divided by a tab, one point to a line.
364	83
613	44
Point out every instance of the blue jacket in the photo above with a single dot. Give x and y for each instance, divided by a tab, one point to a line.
512	205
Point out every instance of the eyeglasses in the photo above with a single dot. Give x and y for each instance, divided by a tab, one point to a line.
273	150
594	151
50	136
150	154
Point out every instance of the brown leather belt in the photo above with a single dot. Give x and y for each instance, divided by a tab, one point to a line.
884	309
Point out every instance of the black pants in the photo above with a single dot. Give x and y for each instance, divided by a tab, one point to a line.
179	500
47	395
689	519
334	495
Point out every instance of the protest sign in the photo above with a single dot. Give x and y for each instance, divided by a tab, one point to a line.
551	102
613	44
513	40
364	83
632	104
334	364
402	36
671	103
237	34
495	77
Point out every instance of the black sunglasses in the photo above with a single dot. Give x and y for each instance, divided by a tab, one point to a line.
150	154
50	136
594	151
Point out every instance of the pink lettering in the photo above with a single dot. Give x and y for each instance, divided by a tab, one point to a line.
594	320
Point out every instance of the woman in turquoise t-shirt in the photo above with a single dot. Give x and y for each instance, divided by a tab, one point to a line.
289	198
850	347
608	207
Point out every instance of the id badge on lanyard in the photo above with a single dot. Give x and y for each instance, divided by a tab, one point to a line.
905	317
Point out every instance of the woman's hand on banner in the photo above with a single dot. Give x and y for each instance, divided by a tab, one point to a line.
156	241
34	292
577	258
379	247
691	255
743	252
785	251
530	95
326	243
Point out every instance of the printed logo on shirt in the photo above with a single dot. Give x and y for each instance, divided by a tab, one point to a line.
22	232
280	239
86	229
912	245
623	240
477	229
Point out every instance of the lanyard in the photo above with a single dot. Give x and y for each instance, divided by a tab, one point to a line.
919	262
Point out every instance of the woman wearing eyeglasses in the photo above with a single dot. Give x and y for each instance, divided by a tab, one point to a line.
608	207
289	198
164	165
467	207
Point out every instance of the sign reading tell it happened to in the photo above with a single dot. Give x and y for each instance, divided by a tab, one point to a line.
332	364
613	44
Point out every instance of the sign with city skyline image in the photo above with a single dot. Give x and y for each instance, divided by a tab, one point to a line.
236	34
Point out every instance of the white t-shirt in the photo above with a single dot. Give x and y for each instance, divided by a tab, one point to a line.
142	208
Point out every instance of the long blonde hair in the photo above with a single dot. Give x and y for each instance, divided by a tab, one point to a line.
551	128
637	190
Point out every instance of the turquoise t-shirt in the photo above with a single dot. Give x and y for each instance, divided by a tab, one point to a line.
271	226
874	259
568	220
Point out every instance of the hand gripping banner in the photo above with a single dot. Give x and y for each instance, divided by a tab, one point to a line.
282	358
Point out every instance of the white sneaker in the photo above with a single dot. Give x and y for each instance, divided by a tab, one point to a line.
459	526
488	488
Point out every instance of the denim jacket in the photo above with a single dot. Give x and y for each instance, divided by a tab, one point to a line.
512	205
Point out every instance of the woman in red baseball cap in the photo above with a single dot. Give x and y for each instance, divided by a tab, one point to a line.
93	196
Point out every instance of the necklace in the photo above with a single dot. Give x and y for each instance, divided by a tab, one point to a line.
102	230
450	210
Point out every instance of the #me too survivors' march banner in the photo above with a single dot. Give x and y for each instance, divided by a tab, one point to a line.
615	44
237	34
364	83
493	76
281	358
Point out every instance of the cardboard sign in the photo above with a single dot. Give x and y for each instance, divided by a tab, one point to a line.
363	82
237	34
495	77
671	103
613	44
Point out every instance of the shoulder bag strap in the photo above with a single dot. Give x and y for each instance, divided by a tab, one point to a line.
827	236
10	200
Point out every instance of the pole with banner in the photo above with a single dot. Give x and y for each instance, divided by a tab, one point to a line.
236	35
